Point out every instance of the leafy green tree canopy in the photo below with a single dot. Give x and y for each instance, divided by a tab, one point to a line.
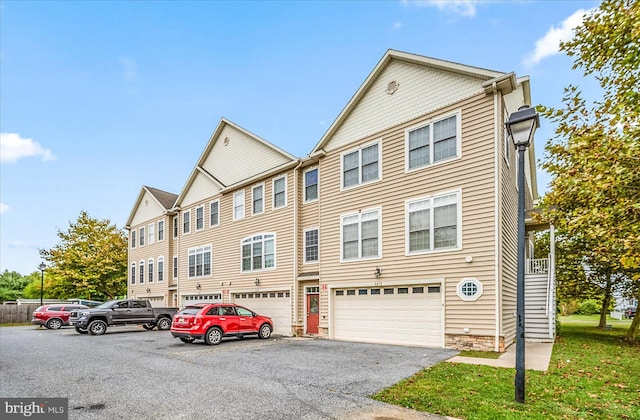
594	160
90	261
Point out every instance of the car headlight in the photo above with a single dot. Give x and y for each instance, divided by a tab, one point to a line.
84	314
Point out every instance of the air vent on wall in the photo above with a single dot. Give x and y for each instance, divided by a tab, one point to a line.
392	87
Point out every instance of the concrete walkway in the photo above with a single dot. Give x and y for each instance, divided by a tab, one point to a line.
536	357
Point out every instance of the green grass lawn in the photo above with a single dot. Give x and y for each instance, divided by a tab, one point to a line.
593	374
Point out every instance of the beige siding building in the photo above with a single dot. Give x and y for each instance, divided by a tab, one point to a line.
399	227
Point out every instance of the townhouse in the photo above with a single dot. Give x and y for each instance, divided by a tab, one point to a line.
399	226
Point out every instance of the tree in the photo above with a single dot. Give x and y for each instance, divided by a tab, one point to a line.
595	159
12	285
90	261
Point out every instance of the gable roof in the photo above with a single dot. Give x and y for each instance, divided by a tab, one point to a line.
503	80
271	157
164	199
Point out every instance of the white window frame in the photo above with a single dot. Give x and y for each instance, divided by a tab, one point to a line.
186	227
238	203
508	144
458	115
305	259
195	251
199	208
160	269
359	151
176	226
141	236
133	238
254	239
253	199
304	183
217	203
161	231
358	216
151	233
142	267
430	199
150	270
462	284
175	268
273	192
132	273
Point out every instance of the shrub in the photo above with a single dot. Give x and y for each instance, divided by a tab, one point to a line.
589	307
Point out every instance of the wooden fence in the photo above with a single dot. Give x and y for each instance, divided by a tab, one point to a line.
17	314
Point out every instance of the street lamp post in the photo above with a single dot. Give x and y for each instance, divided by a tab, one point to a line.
42	267
521	126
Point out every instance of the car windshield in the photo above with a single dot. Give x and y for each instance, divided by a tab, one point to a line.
106	305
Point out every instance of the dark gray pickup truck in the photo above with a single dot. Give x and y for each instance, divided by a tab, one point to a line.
121	312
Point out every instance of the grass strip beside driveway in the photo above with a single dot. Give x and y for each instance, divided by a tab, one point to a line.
593	373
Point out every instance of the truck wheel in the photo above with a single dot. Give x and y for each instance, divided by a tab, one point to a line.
97	327
164	324
213	336
187	340
265	331
80	330
54	324
148	326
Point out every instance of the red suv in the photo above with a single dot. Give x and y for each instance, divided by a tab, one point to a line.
54	316
212	321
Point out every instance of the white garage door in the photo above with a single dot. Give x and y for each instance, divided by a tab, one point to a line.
191	299
276	305
407	315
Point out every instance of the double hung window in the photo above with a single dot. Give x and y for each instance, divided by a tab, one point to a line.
361	166
433	143
259	252
361	235
433	223
200	261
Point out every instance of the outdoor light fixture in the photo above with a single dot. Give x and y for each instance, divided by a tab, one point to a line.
198	286
148	290
378	272
257	282
521	127
42	267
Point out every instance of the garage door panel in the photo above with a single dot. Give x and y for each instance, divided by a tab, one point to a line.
412	318
276	305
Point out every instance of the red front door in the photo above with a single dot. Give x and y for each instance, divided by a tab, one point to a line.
313	310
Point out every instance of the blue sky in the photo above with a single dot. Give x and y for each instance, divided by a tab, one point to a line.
98	98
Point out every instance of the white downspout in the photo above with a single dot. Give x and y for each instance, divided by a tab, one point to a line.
296	291
497	219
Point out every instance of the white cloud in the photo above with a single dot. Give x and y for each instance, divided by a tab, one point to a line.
129	69
3	208
397	25
20	244
549	44
460	7
13	147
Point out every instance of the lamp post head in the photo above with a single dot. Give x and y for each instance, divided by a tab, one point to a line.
42	267
522	125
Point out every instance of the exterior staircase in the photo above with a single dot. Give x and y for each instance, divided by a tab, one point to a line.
540	308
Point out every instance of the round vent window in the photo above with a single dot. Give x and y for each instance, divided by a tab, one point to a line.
392	87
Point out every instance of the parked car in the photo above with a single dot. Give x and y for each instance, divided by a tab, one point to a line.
54	316
121	312
212	321
630	312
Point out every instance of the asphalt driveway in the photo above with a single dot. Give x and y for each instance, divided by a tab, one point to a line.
133	373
